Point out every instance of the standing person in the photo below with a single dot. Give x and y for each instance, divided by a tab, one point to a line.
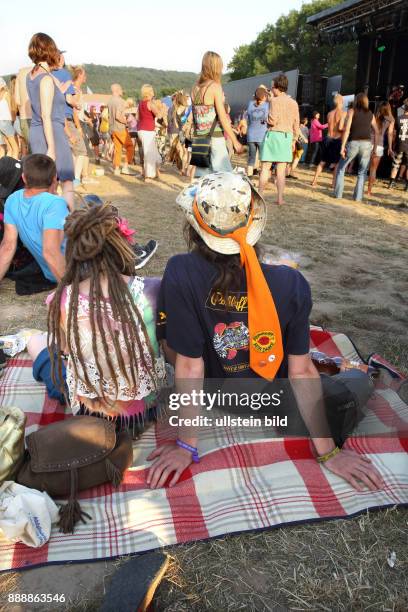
385	125
104	130
304	130
402	146
332	143
86	124
7	130
148	111
359	123
279	141
208	111
23	104
47	133
257	119
119	133
224	320
316	136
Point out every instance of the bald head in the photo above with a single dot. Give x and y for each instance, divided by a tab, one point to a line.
116	89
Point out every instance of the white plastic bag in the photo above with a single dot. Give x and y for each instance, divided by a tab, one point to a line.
26	515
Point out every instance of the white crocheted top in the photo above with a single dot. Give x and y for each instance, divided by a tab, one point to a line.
146	385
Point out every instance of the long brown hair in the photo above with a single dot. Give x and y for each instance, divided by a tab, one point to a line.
229	267
94	248
42	48
361	102
211	68
383	112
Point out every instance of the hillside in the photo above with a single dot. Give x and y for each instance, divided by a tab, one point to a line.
101	77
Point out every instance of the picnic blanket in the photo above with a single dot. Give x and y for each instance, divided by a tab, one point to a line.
243	482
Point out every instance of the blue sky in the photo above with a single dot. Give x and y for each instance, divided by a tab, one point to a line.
163	34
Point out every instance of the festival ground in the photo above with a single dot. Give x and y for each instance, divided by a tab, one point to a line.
355	258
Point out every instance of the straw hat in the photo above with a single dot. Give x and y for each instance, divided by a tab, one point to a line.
224	202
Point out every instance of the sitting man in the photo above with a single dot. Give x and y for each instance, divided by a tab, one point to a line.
36	215
223	315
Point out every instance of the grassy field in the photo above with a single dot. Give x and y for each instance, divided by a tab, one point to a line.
355	257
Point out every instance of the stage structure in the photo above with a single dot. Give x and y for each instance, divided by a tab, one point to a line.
381	29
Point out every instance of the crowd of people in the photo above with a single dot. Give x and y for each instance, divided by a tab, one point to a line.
101	315
42	110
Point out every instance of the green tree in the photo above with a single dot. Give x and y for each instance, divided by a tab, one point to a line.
291	43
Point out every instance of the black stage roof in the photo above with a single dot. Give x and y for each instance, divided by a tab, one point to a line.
366	16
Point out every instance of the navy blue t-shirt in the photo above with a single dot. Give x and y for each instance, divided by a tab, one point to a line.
195	322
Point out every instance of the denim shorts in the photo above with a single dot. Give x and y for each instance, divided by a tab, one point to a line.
6	128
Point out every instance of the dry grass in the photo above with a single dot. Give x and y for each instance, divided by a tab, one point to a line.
355	257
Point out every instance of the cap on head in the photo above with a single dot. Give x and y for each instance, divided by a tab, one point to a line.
224	203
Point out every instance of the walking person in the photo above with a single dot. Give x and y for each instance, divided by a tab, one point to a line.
119	132
359	123
209	114
279	141
148	111
47	132
332	143
385	124
257	119
316	137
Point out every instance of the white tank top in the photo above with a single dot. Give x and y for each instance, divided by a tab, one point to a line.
5	114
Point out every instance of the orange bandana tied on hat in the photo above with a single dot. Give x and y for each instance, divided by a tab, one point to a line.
265	336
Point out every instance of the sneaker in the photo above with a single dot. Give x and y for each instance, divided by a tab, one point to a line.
127	171
144	253
76	183
116	171
392	184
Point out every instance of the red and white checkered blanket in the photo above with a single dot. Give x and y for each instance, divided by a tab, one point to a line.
243	481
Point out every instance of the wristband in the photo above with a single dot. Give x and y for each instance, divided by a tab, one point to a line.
192	449
327	456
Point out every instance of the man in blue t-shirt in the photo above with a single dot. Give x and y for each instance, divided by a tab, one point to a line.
37	216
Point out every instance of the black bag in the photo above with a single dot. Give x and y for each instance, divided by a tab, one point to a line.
201	148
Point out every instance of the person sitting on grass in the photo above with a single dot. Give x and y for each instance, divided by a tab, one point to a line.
101	317
36	215
224	315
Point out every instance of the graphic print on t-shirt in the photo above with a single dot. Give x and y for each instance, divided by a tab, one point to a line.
229	339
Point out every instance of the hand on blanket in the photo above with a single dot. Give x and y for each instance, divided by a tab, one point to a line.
356	469
169	459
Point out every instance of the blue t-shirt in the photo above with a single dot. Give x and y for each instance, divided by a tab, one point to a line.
257	117
31	216
196	323
63	75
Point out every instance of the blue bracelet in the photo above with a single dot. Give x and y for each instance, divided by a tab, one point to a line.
192	449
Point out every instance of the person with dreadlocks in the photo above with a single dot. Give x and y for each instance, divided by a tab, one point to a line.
225	317
101	317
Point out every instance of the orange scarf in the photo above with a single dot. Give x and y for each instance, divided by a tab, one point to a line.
265	336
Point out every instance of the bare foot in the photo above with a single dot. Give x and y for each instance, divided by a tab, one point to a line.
313	184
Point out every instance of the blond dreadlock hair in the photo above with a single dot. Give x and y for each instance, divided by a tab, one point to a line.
95	248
